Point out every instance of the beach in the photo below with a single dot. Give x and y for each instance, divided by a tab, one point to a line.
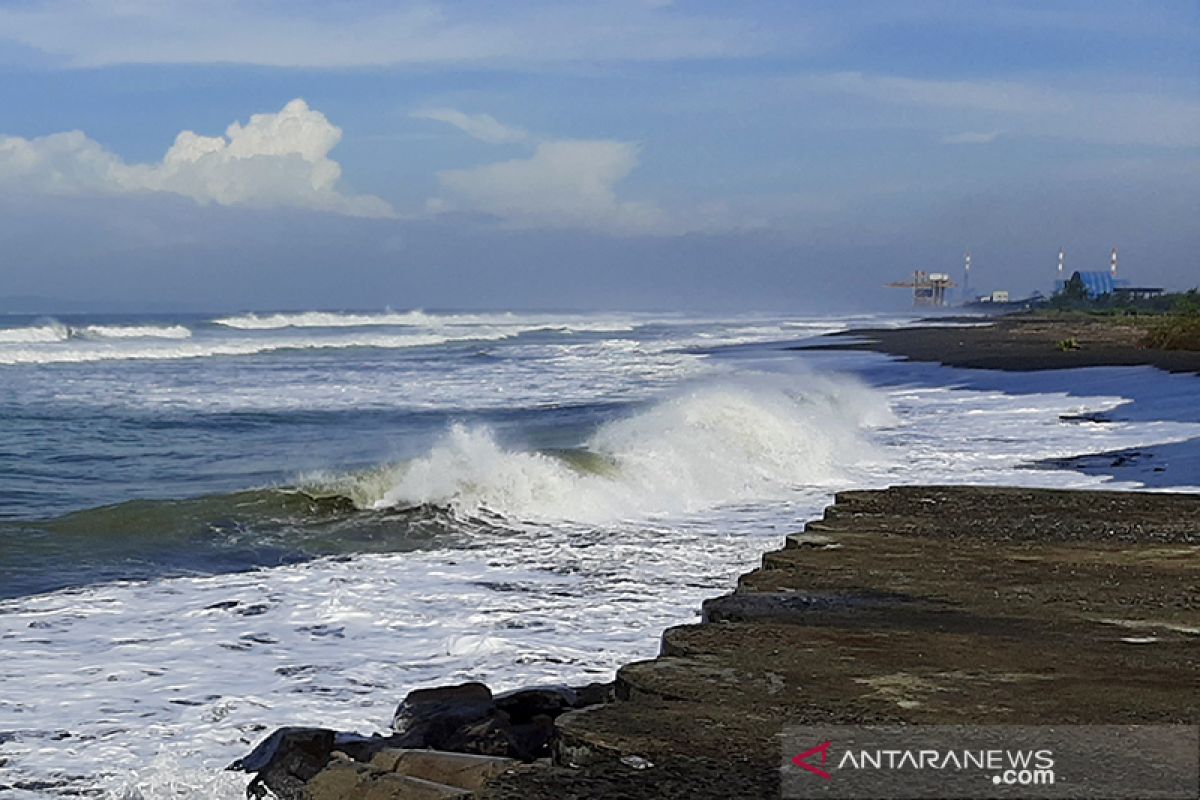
908	606
1022	342
914	605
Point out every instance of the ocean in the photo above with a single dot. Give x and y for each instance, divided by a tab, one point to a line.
213	525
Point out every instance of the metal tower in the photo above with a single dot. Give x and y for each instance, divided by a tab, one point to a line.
966	287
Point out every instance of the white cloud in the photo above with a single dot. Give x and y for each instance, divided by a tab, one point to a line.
971	137
565	183
483	127
276	160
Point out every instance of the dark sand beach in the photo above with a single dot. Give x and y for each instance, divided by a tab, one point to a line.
1019	342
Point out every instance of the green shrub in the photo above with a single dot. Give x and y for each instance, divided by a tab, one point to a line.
1180	332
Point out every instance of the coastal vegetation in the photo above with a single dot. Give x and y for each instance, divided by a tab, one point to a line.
1168	321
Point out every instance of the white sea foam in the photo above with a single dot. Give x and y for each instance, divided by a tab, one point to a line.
321	319
128	348
133	332
35	334
705	447
54	343
53	331
419	318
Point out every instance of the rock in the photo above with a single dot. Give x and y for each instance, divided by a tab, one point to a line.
345	779
793	605
428	717
492	736
340	779
522	705
461	770
593	694
480	734
285	761
468	719
531	740
289	757
813	540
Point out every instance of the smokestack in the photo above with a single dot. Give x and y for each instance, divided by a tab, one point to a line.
1060	264
1113	263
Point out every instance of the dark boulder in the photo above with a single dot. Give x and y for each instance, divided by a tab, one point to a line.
594	694
467	718
289	757
430	717
522	705
285	761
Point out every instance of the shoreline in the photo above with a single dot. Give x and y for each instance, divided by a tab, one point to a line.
1016	343
909	605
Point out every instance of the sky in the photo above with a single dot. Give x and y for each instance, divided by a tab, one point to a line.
640	154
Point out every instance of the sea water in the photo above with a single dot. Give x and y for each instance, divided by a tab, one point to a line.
214	525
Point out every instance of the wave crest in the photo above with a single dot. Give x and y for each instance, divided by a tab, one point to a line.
132	332
419	318
708	447
321	319
45	333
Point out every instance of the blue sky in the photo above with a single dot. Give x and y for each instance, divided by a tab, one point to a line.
632	153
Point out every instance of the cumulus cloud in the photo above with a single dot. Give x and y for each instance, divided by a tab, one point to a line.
483	127
278	160
565	183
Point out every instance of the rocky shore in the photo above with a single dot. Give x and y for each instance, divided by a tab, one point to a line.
906	605
1019	342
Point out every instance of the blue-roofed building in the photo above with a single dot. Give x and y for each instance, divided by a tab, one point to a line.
1099	283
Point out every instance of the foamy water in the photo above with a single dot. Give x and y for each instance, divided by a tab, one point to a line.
626	476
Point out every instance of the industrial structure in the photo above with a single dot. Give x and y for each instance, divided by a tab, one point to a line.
928	288
965	292
1098	283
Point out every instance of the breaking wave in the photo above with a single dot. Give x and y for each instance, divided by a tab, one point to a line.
708	447
35	334
321	319
418	318
132	332
90	351
53	331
